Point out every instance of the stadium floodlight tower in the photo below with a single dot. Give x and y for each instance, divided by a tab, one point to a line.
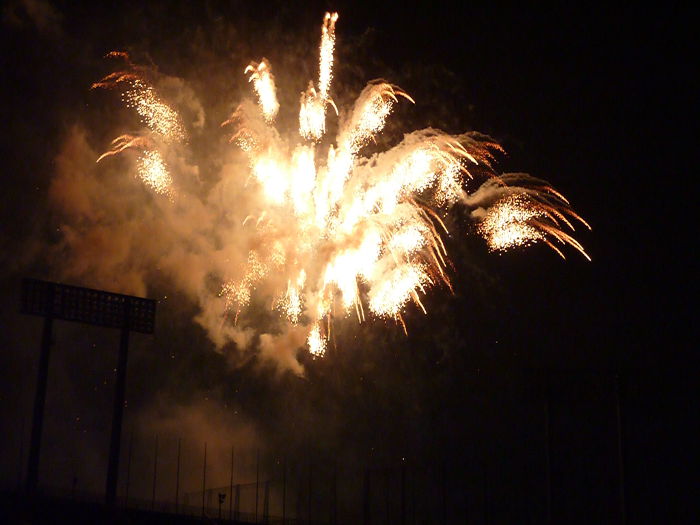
84	305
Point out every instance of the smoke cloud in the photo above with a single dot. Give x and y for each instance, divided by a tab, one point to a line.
116	235
39	14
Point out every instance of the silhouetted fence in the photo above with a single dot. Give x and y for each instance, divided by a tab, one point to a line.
163	474
305	493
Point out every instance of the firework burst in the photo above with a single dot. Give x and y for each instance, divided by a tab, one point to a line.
349	233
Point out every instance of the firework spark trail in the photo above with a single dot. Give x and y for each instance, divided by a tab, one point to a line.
312	110
517	209
325	74
164	123
264	84
158	116
343	232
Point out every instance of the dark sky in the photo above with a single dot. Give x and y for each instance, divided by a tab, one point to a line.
595	100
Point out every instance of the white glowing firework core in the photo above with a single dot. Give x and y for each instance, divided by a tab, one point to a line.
152	170
381	246
158	116
509	223
316	342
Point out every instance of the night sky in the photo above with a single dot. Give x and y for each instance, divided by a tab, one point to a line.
594	100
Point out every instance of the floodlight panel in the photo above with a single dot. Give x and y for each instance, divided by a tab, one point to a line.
85	305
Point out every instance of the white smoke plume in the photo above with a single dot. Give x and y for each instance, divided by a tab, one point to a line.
116	235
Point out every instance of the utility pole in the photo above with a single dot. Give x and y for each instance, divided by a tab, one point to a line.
548	452
334	511
230	485
403	491
118	411
21	455
444	492
257	481
128	469
365	499
237	504
266	503
310	491
177	478
40	401
485	494
620	451
204	477
155	474
284	491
